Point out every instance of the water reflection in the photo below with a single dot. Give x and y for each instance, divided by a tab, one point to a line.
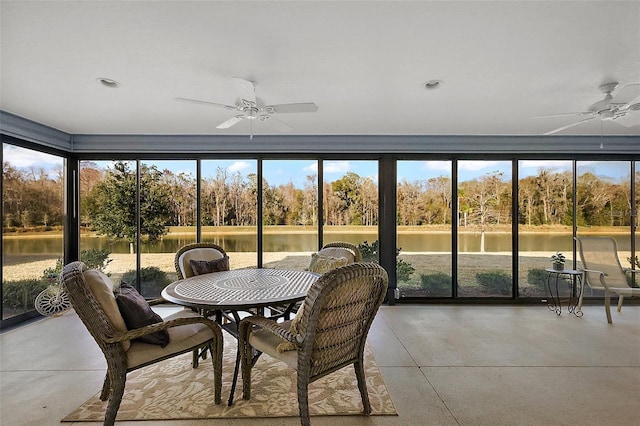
294	242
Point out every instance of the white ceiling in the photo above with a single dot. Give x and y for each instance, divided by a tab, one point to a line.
362	63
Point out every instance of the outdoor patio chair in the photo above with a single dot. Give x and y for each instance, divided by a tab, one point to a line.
327	334
603	271
92	296
200	252
333	255
344	249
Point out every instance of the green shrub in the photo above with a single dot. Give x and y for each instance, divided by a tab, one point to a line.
537	278
52	273
494	282
96	258
369	252
22	293
438	284
93	258
152	280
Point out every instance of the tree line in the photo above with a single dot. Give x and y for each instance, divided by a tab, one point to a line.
34	197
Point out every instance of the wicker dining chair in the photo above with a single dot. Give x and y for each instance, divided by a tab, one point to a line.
344	249
603	271
333	255
197	252
92	296
332	328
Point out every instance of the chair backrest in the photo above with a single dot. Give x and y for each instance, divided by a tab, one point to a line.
342	249
195	251
90	292
601	254
338	312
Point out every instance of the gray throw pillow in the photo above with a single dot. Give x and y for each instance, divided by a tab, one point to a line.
137	313
200	267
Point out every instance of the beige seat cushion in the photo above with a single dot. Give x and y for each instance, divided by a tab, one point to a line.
201	253
294	327
102	288
267	342
339	252
181	338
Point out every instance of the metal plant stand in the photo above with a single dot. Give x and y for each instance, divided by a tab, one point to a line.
573	277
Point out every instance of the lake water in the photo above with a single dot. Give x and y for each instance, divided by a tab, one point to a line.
294	242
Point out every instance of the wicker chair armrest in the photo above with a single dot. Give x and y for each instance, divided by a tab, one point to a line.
143	331
246	325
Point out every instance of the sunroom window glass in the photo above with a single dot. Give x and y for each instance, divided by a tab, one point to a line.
545	224
350	201
484	228
108	232
424	193
603	205
636	225
289	212
228	198
32	226
167	219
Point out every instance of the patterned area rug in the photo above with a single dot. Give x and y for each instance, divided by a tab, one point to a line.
173	390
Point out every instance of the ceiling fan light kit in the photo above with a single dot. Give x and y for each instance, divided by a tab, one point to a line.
253	108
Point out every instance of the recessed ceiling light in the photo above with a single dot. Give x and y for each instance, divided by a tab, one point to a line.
432	84
108	82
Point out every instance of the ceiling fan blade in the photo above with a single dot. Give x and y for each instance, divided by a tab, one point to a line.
208	103
627	94
630	119
292	108
564	114
569	126
246	89
230	122
278	125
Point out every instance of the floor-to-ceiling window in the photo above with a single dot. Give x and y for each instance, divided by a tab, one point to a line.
229	210
424	199
635	220
108	217
289	212
167	199
545	221
604	206
32	226
484	228
300	197
350	204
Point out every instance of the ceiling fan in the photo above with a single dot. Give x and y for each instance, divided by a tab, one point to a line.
616	108
252	108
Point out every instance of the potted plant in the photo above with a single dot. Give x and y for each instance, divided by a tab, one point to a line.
558	261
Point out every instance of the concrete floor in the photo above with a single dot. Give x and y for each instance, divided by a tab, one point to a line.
443	365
